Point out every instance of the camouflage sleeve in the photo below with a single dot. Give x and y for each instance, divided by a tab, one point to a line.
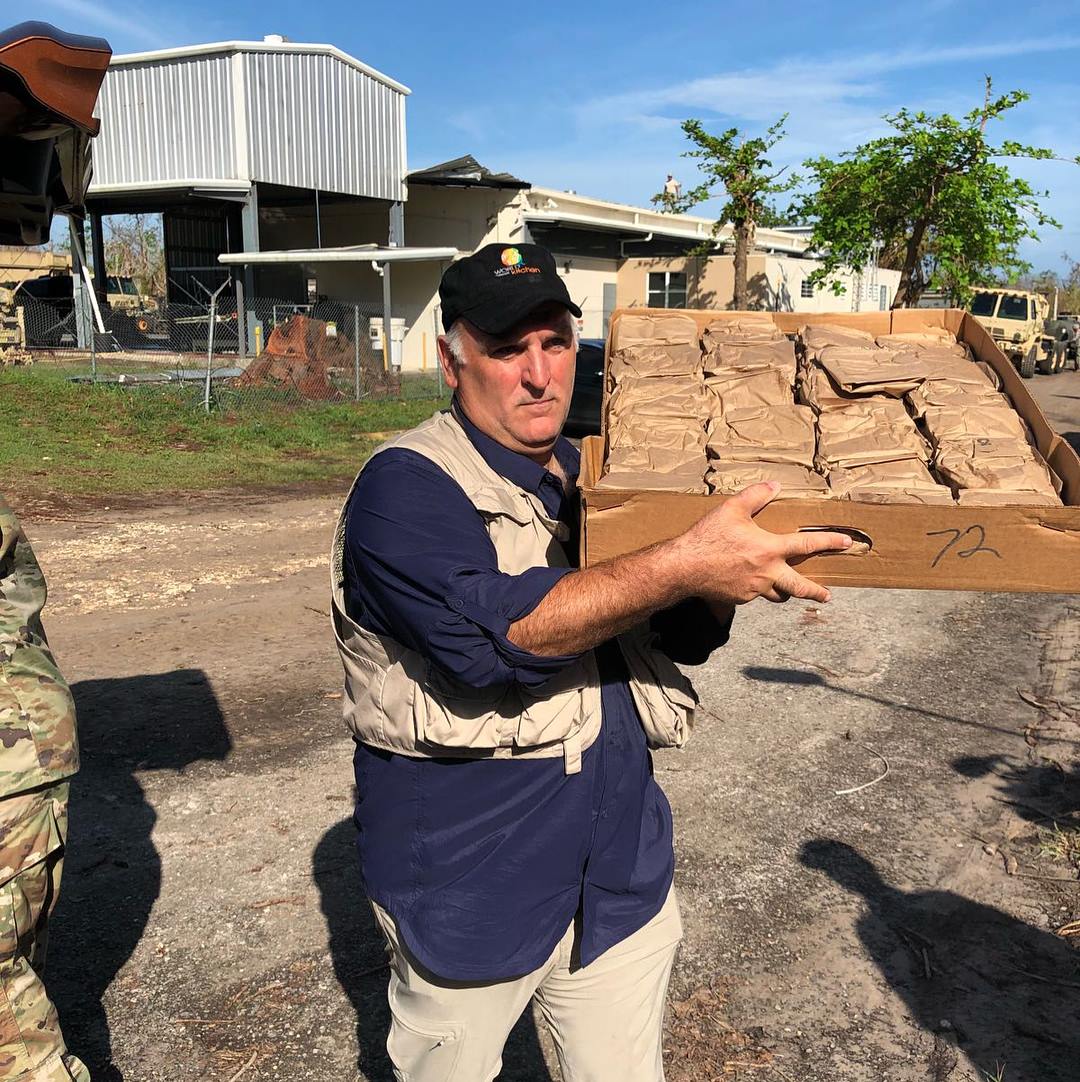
37	714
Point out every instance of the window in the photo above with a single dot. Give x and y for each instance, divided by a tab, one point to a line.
983	304
806	290
667	289
1013	307
883	299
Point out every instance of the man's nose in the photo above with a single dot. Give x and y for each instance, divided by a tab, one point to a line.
536	371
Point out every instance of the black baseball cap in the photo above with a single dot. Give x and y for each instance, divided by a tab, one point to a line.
499	285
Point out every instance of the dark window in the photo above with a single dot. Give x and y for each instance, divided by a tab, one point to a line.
806	289
983	304
667	289
1013	307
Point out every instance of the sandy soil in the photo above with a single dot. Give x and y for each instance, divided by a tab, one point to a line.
211	925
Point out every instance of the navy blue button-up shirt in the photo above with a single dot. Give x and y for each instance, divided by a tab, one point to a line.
483	863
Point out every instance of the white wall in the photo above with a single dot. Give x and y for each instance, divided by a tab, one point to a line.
862	293
585	280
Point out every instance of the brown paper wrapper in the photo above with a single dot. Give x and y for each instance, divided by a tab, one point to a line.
655	330
998	466
867	433
796	482
737	389
946	424
652	361
752	355
764	434
816	337
907	481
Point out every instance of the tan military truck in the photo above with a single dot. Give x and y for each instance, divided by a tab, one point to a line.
1015	319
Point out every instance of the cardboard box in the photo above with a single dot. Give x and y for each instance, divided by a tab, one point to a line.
1025	549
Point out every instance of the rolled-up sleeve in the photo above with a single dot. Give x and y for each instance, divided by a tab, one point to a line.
690	631
420	567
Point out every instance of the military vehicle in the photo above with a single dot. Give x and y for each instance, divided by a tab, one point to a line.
1015	319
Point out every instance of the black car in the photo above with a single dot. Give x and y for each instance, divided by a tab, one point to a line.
584	416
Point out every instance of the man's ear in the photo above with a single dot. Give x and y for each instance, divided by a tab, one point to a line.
447	362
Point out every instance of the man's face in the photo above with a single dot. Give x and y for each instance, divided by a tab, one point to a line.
516	388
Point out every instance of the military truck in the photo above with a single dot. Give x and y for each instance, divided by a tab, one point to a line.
1015	319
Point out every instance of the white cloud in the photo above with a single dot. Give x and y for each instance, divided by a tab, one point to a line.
833	103
104	18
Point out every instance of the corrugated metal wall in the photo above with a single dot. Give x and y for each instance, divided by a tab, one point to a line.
318	123
312	121
166	121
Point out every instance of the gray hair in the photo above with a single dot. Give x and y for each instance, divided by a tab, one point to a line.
454	337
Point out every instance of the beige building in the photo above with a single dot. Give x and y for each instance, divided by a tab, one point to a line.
776	282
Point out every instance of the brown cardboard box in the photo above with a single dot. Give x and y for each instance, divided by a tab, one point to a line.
1000	548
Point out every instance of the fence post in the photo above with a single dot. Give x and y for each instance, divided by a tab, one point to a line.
93	354
356	349
210	341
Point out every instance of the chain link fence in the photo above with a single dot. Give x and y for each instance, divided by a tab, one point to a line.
272	353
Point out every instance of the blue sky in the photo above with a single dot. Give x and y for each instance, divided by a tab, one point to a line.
589	96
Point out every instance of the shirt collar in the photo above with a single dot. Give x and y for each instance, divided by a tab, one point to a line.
517	468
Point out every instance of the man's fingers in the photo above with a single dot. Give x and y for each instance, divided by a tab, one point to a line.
775	595
795	585
812	542
753	499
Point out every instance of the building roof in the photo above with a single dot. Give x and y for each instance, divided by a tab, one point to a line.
553	207
356	253
272	43
465	172
233	112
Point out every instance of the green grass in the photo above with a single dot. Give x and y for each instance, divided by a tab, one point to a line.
67	439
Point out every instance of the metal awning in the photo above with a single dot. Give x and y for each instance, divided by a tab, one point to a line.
614	225
357	253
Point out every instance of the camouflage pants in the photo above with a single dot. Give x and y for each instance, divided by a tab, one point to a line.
33	828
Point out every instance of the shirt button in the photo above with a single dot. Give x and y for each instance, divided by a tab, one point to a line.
457	603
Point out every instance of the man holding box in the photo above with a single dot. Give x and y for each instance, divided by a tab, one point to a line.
513	841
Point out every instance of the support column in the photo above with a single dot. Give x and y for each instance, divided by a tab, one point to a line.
387	312
397	225
80	295
97	244
249	237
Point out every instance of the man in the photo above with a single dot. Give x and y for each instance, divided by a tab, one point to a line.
513	841
40	754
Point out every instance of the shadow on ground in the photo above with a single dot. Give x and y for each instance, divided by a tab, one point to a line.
1001	991
112	873
1040	792
805	678
357	948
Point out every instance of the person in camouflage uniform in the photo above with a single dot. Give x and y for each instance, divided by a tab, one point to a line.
39	754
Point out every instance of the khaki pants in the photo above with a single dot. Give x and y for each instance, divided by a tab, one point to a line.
607	1018
33	828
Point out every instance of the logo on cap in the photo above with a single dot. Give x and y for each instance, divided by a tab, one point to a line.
511	257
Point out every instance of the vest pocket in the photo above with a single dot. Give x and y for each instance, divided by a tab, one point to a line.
664	698
453	715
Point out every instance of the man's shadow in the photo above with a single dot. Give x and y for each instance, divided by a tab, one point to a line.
112	871
1008	992
358	950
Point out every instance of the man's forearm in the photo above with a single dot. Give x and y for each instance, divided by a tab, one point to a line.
588	607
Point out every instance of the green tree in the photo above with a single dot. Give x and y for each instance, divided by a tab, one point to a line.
134	249
738	169
935	196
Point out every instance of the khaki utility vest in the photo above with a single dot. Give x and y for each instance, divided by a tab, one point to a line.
397	700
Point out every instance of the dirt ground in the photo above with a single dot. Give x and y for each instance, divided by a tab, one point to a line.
211	925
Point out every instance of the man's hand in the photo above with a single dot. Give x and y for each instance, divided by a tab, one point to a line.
727	557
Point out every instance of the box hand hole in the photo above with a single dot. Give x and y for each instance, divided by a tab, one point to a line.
861	543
